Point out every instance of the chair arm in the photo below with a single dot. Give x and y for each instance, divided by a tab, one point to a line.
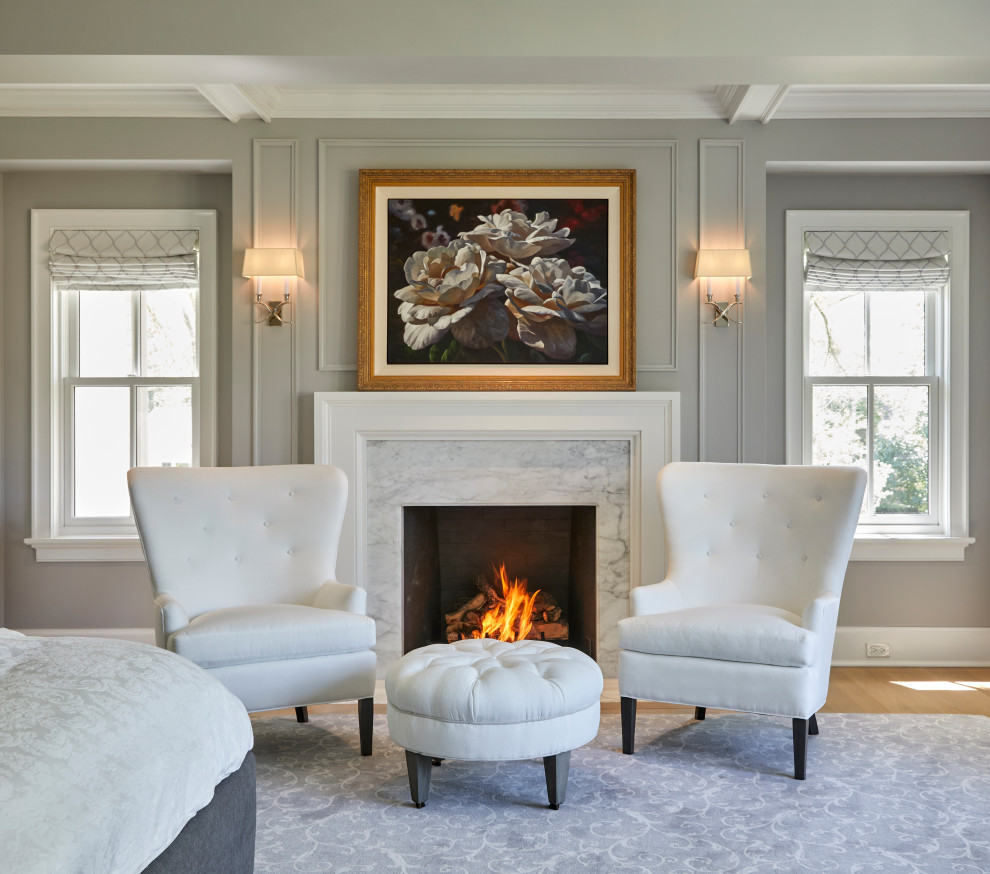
821	615
663	597
340	596
172	617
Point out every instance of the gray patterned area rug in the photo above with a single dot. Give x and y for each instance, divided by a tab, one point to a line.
885	793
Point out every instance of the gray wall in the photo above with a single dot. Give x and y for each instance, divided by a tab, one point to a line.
882	593
91	594
76	595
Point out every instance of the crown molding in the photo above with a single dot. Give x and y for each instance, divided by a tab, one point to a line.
105	101
892	101
474	101
730	103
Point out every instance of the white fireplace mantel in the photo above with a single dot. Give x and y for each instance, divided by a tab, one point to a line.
478	448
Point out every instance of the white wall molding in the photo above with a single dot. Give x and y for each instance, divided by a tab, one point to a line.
721	225
913	646
338	207
274	362
137	635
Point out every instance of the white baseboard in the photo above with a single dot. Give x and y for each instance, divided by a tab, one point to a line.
138	635
909	647
913	647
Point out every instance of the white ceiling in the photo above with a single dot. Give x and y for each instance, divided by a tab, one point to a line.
759	60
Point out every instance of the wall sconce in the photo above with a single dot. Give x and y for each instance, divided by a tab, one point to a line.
720	264
273	262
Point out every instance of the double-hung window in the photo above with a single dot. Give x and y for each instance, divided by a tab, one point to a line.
123	359
877	369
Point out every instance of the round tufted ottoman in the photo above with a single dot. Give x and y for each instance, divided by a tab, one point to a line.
486	700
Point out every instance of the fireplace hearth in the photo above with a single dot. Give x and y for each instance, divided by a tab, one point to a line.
453	555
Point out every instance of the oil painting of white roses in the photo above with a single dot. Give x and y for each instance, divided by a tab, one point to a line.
497	280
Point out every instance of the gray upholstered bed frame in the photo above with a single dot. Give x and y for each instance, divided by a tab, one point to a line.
220	838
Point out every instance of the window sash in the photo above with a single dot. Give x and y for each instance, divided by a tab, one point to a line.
72	524
885	522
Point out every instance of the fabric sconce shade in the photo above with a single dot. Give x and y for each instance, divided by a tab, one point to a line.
273	262
723	264
286	263
715	263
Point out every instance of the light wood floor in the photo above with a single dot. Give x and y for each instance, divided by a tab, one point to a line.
851	690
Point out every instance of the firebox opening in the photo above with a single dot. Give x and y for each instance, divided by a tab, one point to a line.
449	551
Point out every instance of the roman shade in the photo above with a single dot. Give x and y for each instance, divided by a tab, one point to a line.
124	260
884	260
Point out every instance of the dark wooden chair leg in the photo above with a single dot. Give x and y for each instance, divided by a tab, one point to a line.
437	762
556	768
302	714
813	725
419	769
628	708
800	732
699	712
366	723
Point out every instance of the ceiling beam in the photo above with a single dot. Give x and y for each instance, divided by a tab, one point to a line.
751	102
232	102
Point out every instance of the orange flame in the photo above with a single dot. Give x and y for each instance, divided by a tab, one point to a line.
514	619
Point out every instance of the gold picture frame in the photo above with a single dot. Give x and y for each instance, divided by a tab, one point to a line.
497	280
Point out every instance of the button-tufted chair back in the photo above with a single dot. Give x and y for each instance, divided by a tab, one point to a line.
234	536
758	534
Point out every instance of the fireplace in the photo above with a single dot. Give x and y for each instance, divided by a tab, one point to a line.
454	556
601	450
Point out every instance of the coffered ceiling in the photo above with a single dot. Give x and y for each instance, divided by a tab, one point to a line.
760	60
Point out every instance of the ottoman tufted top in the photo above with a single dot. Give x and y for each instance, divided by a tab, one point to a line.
492	682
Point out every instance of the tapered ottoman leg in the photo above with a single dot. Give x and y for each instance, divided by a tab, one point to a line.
699	712
557	767
366	723
813	725
419	769
800	733
628	708
302	714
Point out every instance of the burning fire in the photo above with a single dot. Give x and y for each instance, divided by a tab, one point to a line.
513	619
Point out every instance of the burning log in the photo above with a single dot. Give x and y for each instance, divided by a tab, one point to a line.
543	616
545	607
488	590
478	602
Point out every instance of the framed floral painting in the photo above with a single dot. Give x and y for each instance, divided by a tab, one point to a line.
497	280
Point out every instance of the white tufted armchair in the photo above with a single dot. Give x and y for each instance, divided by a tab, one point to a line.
745	620
242	563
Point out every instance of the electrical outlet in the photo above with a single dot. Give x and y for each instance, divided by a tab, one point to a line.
878	650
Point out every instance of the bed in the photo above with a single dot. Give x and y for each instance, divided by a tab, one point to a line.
120	757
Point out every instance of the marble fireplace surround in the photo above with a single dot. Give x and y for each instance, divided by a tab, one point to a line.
448	448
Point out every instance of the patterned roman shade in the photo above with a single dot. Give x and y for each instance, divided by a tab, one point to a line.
123	260
886	260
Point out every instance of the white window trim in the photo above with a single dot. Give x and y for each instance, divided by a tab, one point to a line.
949	542
49	540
